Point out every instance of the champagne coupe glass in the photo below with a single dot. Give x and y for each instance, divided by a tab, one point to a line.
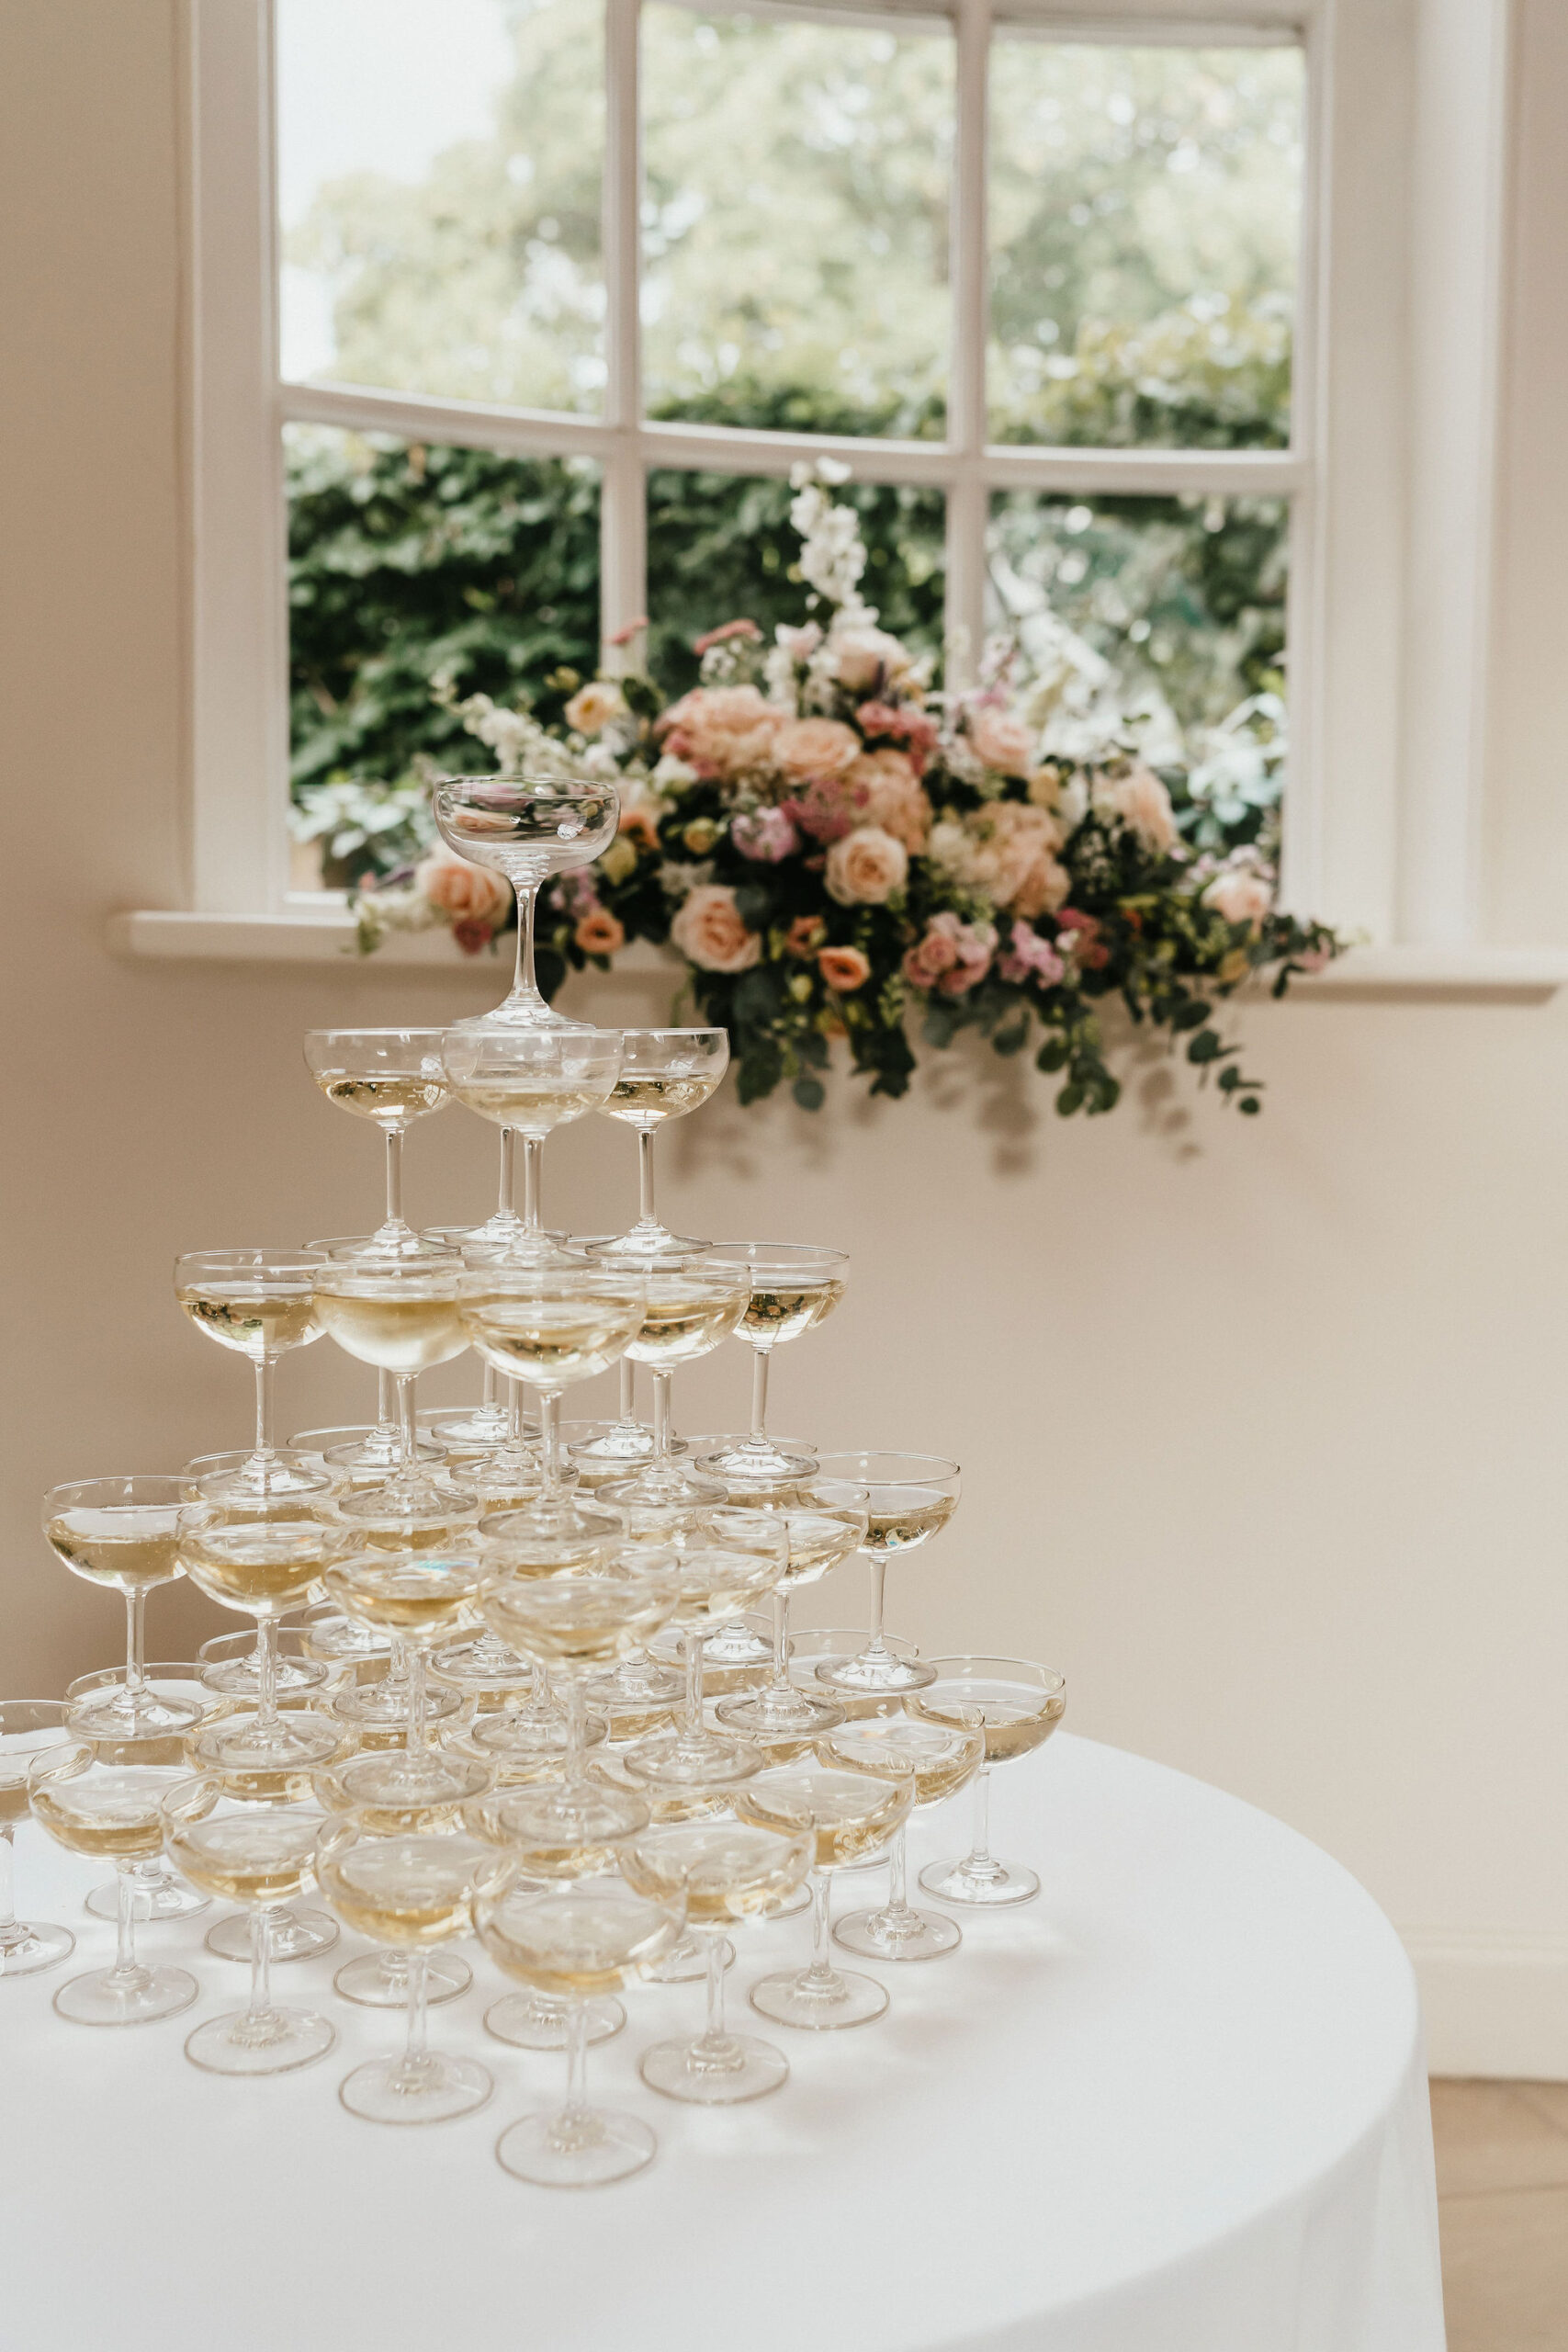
692	1305
261	1302
912	1496
228	1666
726	1563
326	1633
528	1083
794	1288
392	1077
262	1567
664	1074
824	1521
731	1872
549	1330
527	827
416	1596
27	1728
590	1938
849	1815
368	1456
122	1533
297	1474
160	1895
939	1758
401	1315
1019	1705
257	1855
110	1811
414	1892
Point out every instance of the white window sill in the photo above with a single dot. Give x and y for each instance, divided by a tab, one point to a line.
328	938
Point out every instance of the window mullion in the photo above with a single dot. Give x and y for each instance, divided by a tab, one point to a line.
623	524
966	372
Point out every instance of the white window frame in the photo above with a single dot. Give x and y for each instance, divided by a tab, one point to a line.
1388	473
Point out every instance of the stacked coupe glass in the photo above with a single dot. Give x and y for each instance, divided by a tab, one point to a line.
513	1678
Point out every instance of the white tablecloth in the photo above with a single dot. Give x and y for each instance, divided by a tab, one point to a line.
1176	2105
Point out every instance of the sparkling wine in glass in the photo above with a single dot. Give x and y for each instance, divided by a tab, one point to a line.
263	1567
401	1315
664	1074
939	1759
911	1499
726	1560
1019	1705
123	1534
793	1287
389	1077
528	1083
824	1521
849	1818
529	828
28	1726
261	1302
691	1306
112	1813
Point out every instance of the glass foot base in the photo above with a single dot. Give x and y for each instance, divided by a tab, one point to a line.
143	1995
285	2039
433	2090
842	1999
295	1935
736	1649
692	1760
533	2022
648	1239
761	1462
688	1961
992	1883
246	1746
379	1980
773	1714
237	1679
875	1672
34	1946
743	2068
157	1901
582	2151
122	1715
910	1935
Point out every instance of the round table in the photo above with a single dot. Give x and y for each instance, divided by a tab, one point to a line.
1175	2104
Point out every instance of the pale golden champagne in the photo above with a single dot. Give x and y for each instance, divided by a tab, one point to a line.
902	1517
850	1814
257	1856
938	1757
389	1329
583	1942
532	1108
550	1342
129	1545
394	1534
392	1103
113	1815
405	1889
774	1315
14	1804
819	1540
684	1318
646	1102
689	1805
731	1869
405	1593
256	1567
1011	1726
239	1314
717	1583
579	1619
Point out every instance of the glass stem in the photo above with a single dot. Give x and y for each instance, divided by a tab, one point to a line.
506	1199
397	1664
135	1641
715	2039
261	1966
980	1853
394	1175
628	1389
491	1391
416	1700
549	1430
644	1176
404	1381
524	984
576	2106
661	1417
876	1646
898	1875
8	1880
125	1970
386	1401
759	1357
265	1370
821	1969
418	2010
572	1769
781	1637
533	1163
267	1673
692	1650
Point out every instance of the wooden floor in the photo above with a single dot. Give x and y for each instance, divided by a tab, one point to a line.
1502	2202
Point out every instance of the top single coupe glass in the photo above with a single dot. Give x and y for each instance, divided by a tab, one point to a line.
528	828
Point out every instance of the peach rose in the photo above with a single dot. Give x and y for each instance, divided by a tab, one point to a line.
843	968
708	931
594	705
1004	743
1242	895
599	933
463	893
808	747
866	867
865	658
887	793
721	730
952	957
803	936
1142	802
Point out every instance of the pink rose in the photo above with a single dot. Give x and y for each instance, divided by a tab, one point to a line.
765	834
952	957
599	933
1242	895
844	969
466	894
1004	743
866	867
925	963
747	629
709	932
803	748
1030	957
1142	802
887	793
867	657
720	732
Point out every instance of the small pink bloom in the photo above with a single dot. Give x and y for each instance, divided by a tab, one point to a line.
877	718
599	933
952	956
625	636
765	834
1030	957
865	867
709	932
730	629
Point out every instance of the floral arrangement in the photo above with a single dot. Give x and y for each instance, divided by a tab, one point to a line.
840	852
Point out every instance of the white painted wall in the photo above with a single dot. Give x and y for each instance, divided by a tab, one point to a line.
1261	1424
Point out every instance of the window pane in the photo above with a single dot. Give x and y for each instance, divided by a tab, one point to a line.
1183	599
721	548
439	191
794	223
406	564
1144	217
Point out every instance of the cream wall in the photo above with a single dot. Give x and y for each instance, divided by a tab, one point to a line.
1262	1423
